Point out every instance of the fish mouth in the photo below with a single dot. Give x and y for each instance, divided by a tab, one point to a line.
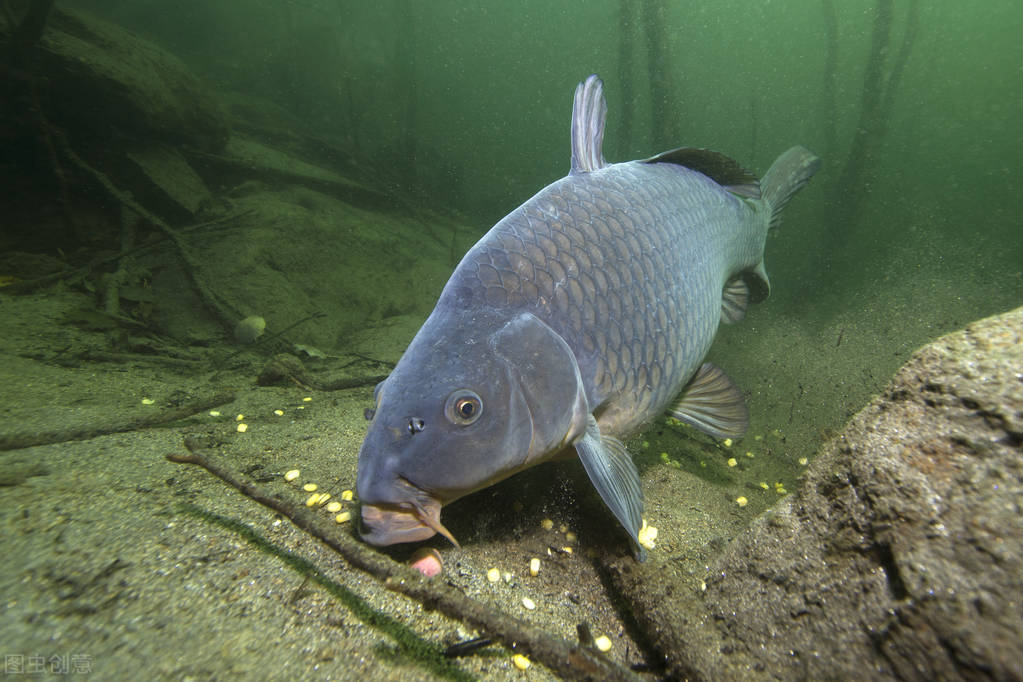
417	519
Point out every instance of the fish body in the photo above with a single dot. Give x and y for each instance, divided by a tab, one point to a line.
577	318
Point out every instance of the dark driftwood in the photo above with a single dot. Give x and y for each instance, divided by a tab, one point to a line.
226	313
16	441
570	660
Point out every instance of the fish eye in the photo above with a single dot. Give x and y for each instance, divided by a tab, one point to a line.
463	407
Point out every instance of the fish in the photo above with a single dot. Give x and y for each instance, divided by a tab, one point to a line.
578	318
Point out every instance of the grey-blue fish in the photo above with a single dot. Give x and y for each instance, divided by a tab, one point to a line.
580	316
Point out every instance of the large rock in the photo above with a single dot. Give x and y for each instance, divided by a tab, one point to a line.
901	555
105	80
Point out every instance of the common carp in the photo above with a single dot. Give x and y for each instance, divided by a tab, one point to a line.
577	318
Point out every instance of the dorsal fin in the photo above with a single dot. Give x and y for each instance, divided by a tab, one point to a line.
722	169
589	112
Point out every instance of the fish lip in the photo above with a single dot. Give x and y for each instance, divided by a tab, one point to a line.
408	521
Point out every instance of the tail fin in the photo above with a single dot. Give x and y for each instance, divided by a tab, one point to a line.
787	175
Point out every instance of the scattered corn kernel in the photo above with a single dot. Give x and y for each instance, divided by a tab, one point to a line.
647	535
803	461
346	495
763	484
507	577
334	507
312	500
214	413
343	517
534	566
758	437
749	453
732	462
646	444
520	661
242	427
603	643
547	524
664	456
570	536
324	497
148	401
781	491
528	603
741	501
493	575
239	417
727	442
292	475
310	487
307	399
566	550
279	413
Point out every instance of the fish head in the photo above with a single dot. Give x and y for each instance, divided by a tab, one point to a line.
472	401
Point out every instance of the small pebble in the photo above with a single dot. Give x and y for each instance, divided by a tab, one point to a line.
279	413
534	566
343	517
603	643
292	475
242	427
520	661
493	575
310	487
547	524
346	495
741	501
732	462
214	413
507	577
334	507
528	603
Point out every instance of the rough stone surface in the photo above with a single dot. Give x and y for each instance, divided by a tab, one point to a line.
900	556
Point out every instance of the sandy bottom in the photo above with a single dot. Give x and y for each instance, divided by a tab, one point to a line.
122	562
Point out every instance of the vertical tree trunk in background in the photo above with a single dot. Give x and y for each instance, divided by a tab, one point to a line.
405	62
829	110
865	151
626	46
663	101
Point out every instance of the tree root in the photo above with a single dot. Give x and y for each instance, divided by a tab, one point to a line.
570	660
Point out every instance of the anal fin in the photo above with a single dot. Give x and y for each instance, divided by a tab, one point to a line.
712	403
610	468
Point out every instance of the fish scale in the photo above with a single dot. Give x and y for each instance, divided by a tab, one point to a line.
631	300
579	316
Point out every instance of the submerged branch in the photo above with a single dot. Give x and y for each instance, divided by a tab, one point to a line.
571	661
16	441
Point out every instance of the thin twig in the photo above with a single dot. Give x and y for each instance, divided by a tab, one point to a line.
16	441
571	661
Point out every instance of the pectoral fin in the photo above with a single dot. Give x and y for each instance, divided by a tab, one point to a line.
613	474
713	404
